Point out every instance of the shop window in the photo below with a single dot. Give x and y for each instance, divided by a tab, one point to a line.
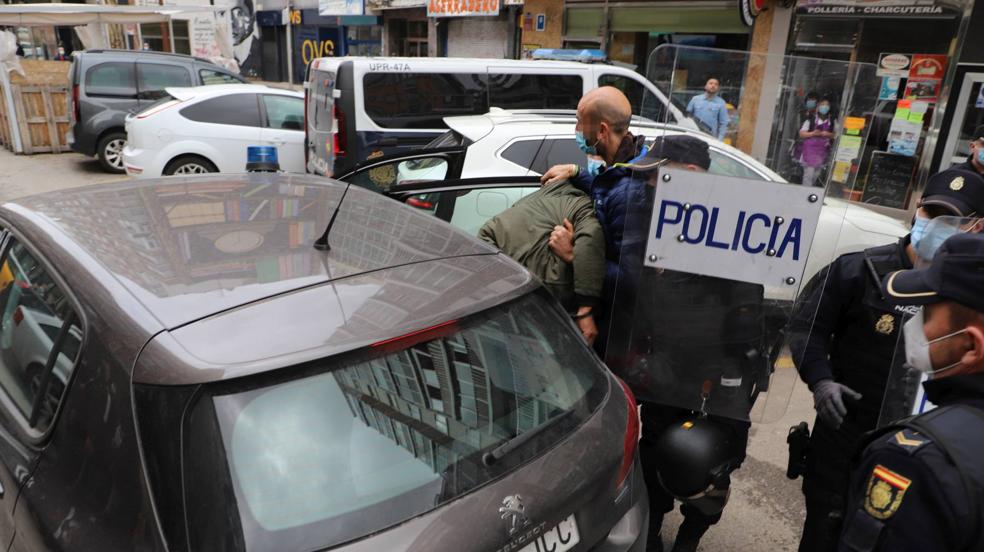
364	40
235	109
644	103
111	79
422	100
519	91
153	78
40	336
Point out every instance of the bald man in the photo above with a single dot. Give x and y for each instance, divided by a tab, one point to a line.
602	131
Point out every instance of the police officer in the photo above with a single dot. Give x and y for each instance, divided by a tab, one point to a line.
975	161
844	336
690	330
920	484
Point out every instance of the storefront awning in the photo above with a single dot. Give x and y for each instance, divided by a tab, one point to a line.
28	15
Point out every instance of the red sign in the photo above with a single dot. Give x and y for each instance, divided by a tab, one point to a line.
459	8
926	66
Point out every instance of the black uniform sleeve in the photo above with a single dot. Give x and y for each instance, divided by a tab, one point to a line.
820	310
900	502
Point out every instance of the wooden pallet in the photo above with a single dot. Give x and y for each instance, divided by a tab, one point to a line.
42	117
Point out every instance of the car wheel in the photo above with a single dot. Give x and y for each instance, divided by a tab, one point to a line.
110	151
189	164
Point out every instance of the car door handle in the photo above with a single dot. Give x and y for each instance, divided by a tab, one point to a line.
278	142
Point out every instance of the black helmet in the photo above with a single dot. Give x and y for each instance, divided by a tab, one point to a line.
694	457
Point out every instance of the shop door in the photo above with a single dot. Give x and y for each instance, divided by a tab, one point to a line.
969	113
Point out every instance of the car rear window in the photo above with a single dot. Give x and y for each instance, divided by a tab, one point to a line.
422	100
358	443
233	109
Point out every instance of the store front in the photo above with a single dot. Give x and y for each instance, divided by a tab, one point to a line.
913	45
629	31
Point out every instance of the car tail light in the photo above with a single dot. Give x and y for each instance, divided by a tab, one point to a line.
419	203
417	336
632	428
76	108
158	109
307	152
18	316
341	136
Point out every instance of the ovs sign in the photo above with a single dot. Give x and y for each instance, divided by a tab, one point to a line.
751	231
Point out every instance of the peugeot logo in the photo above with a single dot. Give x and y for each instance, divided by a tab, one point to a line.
513	509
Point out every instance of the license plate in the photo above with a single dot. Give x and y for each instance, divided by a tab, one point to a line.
559	538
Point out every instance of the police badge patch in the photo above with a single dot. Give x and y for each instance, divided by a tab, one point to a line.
885	324
885	492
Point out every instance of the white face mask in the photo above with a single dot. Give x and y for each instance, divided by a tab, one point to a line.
917	346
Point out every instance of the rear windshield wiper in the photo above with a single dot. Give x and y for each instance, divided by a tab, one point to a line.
499	452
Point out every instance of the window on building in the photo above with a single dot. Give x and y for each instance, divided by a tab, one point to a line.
111	79
235	109
182	41
422	100
153	78
284	112
40	335
153	34
525	91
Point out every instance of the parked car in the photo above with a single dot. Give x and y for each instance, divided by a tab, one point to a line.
107	85
237	388
360	107
208	128
469	162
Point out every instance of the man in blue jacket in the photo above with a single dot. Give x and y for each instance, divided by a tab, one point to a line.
602	130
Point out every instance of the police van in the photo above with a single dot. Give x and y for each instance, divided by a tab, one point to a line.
361	107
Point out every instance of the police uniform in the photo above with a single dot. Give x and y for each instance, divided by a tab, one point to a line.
920	482
852	339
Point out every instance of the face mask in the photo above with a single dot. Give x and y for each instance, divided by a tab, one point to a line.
932	233
595	166
918	232
917	346
811	104
823	109
582	144
980	155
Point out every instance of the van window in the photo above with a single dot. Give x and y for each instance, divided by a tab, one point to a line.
532	91
644	103
234	109
153	78
111	79
422	100
35	320
215	77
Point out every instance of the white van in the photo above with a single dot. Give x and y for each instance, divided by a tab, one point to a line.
364	106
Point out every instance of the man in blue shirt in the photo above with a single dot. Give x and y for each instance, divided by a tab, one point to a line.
710	109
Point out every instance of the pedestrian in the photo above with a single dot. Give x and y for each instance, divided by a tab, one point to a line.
843	338
61	56
524	230
146	47
975	161
690	330
919	485
817	135
602	130
710	110
809	106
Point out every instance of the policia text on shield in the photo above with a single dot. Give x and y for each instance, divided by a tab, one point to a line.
845	339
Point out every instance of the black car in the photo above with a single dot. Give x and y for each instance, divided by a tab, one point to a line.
108	85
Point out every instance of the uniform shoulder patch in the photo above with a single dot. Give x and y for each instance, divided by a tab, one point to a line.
908	440
886	489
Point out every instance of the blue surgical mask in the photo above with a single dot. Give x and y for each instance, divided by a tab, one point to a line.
582	144
595	166
918	233
933	232
980	155
823	109
811	104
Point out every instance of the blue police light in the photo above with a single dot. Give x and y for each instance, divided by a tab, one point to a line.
262	159
559	54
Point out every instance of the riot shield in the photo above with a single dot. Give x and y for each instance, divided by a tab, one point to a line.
721	266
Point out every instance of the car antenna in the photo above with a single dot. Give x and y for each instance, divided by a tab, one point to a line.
321	244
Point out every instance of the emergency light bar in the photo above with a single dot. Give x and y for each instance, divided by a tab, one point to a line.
569	55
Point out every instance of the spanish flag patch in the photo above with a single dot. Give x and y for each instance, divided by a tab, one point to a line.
885	492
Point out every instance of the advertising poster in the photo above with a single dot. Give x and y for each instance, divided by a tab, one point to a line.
889	88
927	66
341	7
894	65
926	90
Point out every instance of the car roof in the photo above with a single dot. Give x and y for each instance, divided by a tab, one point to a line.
190	248
185	93
465	63
142	53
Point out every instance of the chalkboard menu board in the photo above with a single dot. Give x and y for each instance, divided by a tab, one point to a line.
889	177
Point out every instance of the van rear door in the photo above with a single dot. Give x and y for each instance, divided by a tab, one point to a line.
319	122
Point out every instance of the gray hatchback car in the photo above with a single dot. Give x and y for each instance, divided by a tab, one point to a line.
214	382
108	85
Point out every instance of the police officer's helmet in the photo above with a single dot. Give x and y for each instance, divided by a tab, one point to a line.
693	456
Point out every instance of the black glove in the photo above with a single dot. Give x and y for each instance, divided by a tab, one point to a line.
828	399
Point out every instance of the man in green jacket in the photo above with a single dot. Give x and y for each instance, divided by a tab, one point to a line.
524	232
